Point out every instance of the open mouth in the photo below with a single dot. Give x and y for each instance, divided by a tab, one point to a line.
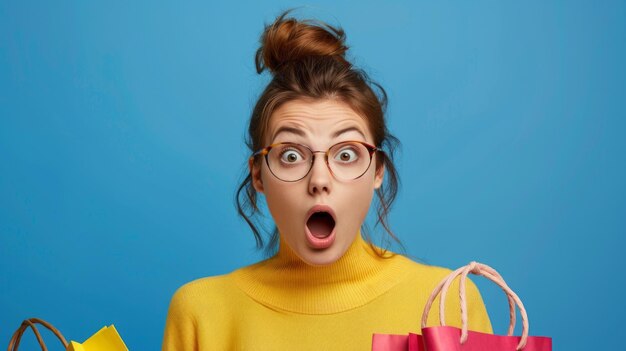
321	224
320	227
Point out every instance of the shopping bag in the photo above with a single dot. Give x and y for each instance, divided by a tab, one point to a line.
32	323
412	341
397	342
106	339
444	338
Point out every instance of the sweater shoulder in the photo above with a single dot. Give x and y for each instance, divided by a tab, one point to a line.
199	309
423	270
204	292
424	278
429	276
205	285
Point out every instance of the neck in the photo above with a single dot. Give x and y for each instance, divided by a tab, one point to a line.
286	282
358	260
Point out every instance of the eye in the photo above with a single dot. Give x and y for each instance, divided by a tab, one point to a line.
290	155
347	155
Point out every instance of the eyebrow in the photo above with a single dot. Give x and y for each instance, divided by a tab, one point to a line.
299	132
349	129
288	130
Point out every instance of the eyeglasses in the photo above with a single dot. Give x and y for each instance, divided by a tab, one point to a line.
290	162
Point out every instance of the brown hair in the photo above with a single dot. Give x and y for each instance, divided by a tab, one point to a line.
307	60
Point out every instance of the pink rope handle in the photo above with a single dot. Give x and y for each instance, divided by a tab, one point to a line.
464	272
489	273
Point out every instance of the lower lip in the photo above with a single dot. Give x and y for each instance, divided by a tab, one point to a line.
319	243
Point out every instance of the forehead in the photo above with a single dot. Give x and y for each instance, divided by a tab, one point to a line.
316	119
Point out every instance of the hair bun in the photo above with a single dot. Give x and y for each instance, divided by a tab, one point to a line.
288	40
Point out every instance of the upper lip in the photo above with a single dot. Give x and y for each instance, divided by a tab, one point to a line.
321	208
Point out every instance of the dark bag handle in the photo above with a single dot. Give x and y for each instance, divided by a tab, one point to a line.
17	336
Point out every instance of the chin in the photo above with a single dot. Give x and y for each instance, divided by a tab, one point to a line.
320	258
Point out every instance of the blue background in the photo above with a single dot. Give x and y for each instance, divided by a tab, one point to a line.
121	146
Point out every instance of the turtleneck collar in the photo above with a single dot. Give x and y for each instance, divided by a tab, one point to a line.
286	282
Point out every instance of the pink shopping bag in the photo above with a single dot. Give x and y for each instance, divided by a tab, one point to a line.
395	342
444	338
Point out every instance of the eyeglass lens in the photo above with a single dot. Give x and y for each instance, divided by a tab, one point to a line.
291	162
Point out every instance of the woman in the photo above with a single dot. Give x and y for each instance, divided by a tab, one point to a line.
316	136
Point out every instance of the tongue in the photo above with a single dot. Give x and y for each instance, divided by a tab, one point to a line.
321	224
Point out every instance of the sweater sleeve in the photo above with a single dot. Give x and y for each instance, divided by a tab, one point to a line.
180	325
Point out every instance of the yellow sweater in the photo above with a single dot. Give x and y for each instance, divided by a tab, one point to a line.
284	304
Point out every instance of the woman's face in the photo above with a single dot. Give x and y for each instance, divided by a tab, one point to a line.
316	124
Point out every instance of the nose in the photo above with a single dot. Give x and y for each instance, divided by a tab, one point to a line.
320	176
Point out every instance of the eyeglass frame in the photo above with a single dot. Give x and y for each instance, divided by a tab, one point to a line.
266	150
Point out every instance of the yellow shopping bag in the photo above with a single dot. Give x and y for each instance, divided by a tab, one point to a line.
106	339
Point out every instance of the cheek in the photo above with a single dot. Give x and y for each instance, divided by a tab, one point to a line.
357	198
280	198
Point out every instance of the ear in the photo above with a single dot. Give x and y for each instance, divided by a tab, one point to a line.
378	178
255	173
